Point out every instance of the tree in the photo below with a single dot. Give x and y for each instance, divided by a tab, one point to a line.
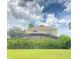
31	25
15	32
64	42
70	25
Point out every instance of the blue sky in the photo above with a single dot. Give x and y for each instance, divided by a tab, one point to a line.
53	13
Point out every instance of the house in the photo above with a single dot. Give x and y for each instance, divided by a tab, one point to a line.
42	29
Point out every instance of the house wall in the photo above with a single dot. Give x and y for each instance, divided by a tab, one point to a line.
44	30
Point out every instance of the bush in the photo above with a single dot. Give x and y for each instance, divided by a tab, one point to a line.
15	32
63	42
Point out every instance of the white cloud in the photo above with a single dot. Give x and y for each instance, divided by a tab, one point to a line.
51	20
31	10
64	31
24	11
62	21
68	5
20	10
42	8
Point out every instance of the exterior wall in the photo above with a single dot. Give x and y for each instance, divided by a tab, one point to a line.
42	29
54	32
30	30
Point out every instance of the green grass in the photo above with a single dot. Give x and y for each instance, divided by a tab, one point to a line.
38	54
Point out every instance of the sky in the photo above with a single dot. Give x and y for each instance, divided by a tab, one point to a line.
52	13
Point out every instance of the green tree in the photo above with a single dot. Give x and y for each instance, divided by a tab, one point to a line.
15	32
64	42
31	25
70	25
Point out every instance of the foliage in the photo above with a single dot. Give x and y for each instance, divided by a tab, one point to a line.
15	32
63	42
31	25
70	25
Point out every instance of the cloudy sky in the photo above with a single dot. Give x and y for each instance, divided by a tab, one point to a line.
52	13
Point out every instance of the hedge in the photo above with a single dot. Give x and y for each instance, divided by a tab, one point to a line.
64	42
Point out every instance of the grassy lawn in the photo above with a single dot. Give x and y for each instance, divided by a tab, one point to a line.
38	54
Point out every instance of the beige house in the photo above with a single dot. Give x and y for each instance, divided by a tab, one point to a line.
42	29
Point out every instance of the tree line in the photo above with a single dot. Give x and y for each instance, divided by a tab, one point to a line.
64	42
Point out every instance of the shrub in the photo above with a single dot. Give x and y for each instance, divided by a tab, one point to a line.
64	42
